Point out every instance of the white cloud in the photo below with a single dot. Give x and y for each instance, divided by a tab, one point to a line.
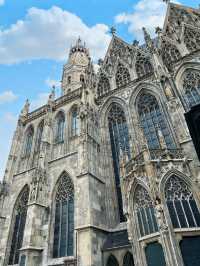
7	97
146	13
48	34
1	2
41	99
52	82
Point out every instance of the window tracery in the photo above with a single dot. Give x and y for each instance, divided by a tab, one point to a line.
112	261
143	65
60	124
103	86
191	86
145	212
170	54
192	39
128	259
152	120
119	137
28	141
64	218
20	212
181	204
122	76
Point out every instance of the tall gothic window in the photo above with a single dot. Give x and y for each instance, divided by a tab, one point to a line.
154	254
192	39
122	76
28	141
112	261
152	120
60	124
143	65
145	213
181	204
64	218
39	136
128	259
74	122
19	217
103	85
190	249
119	138
170	54
191	87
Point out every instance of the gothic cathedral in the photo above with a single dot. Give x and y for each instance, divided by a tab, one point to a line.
107	174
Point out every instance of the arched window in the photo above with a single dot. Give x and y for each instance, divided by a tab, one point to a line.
112	261
103	85
170	54
60	124
145	213
119	138
192	39
190	249
74	122
128	259
69	79
143	65
122	76
28	141
152	121
154	254
63	244
82	79
39	136
181	204
191	87
19	216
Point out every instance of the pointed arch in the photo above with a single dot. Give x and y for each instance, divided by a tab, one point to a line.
63	242
153	122
39	136
28	141
128	259
170	53
59	127
144	211
181	203
143	65
122	75
112	261
119	139
103	85
19	216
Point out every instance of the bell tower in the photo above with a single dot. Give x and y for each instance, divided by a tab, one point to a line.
74	70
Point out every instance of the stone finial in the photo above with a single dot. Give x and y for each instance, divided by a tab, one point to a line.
158	30
135	43
148	39
25	109
113	30
166	1
100	62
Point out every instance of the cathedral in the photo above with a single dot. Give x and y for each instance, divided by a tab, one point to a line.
107	174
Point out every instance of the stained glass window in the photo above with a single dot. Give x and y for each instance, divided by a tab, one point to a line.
119	137
190	249
191	87
128	259
112	261
152	119
39	136
64	218
181	204
143	65
60	124
75	122
145	212
28	141
19	217
122	76
103	86
155	255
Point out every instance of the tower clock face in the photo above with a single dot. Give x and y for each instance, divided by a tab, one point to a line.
79	59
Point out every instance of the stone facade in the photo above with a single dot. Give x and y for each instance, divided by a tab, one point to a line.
155	159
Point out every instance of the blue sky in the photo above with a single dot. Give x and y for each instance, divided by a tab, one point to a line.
35	37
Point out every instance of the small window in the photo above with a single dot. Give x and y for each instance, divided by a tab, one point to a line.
155	255
75	123
60	124
69	79
28	141
112	261
82	79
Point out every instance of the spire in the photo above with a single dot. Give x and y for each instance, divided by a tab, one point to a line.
148	39
79	47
